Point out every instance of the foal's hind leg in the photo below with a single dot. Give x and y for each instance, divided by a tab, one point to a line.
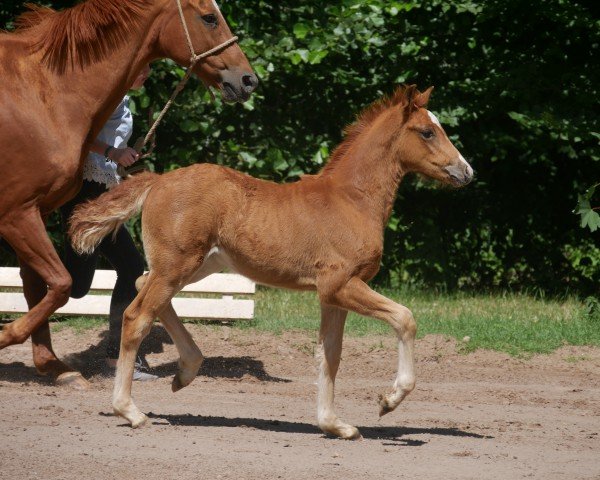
358	297
330	349
137	321
190	356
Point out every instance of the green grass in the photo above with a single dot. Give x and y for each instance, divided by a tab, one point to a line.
79	324
513	323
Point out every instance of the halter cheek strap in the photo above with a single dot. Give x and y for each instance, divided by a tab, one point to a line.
195	58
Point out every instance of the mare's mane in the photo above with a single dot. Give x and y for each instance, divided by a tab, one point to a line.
81	35
364	120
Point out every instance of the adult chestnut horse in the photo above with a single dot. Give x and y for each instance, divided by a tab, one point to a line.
63	73
323	233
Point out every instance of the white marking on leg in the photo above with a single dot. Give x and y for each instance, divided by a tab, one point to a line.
405	328
329	354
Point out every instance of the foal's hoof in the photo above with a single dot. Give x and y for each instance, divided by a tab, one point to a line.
351	433
176	384
139	421
384	406
342	430
73	380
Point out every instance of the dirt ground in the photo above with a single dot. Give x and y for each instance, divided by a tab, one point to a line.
251	413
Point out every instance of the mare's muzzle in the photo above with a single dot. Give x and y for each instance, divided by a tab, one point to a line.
236	86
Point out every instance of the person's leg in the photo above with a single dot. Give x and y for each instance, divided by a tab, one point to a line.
80	267
121	252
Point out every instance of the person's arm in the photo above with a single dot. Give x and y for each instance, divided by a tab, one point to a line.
123	156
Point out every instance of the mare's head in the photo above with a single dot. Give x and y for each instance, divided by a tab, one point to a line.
422	143
227	68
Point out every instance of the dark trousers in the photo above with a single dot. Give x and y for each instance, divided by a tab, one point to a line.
122	255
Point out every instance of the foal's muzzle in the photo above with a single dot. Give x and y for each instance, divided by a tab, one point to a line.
460	174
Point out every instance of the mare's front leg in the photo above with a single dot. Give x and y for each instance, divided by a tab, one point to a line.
358	297
329	353
46	284
44	358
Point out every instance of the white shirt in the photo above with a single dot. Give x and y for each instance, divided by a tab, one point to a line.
116	132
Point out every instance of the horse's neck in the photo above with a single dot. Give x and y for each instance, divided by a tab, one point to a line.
99	87
370	174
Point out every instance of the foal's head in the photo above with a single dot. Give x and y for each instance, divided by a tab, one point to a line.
422	143
228	68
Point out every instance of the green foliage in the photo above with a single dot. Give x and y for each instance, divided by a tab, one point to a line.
9	9
515	87
584	258
589	214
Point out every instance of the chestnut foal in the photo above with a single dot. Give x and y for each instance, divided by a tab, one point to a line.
323	233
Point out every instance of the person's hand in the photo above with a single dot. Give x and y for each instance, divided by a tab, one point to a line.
124	156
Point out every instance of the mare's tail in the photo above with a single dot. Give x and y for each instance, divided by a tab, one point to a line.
95	219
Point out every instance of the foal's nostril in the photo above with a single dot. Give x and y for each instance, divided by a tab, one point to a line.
249	82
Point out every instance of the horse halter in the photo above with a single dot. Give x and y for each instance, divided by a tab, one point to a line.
194	57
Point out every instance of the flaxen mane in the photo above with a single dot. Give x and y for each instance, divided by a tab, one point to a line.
364	120
81	35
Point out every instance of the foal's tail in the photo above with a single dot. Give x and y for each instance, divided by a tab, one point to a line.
95	219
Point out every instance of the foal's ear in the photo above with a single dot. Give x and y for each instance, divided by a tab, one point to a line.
410	91
422	99
408	103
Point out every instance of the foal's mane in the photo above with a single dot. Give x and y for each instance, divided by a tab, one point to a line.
81	35
364	119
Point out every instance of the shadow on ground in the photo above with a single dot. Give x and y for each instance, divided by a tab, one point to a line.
395	436
91	363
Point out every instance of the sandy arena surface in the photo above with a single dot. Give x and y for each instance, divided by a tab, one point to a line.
251	413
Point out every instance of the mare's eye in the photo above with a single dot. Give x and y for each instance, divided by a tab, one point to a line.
210	20
427	134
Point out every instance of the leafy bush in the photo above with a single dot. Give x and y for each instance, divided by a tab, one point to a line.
514	88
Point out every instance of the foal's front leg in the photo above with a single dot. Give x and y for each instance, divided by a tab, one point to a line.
330	349
358	297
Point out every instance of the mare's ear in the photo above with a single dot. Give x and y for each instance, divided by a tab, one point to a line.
422	99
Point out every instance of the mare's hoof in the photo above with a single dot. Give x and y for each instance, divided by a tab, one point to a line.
73	380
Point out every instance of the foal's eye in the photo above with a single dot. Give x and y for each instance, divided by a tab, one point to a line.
427	134
210	20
